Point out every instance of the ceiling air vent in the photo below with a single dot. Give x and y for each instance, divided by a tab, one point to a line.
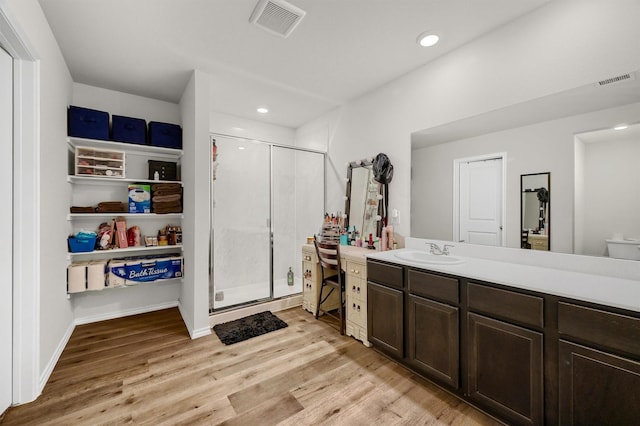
613	80
276	16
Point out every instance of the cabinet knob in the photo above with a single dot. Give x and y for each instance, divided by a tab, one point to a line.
356	271
353	288
358	290
358	308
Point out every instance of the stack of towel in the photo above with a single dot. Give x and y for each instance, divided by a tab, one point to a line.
166	198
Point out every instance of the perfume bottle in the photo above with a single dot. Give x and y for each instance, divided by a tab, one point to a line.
290	277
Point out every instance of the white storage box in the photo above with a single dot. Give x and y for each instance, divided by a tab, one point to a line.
136	271
77	277
114	280
96	278
99	162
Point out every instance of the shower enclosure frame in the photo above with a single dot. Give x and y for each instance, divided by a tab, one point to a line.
271	146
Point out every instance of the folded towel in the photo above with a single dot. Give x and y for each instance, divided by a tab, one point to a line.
112	207
166	198
166	187
77	209
160	208
166	192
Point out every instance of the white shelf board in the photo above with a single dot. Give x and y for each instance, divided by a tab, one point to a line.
130	148
176	280
113	253
143	216
101	180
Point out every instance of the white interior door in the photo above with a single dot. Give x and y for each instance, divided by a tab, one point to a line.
481	202
6	218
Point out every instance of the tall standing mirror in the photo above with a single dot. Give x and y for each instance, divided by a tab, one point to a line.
535	219
362	205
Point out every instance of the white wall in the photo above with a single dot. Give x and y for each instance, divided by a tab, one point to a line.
54	95
551	50
196	177
90	306
120	103
243	128
611	196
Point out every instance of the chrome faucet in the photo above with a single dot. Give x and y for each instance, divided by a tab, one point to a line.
436	250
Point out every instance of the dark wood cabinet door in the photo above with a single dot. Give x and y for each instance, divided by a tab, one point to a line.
433	335
385	318
597	388
505	370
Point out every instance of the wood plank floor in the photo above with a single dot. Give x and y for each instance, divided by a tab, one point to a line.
144	369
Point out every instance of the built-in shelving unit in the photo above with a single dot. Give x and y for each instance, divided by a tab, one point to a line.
91	190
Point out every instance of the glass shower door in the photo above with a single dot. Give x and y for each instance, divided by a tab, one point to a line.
241	223
298	208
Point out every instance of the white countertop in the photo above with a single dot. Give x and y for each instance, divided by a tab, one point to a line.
610	291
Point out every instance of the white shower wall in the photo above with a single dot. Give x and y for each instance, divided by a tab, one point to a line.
260	189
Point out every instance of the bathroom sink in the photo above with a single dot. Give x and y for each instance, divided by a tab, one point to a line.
420	256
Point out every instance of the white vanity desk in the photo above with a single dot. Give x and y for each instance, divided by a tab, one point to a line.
354	263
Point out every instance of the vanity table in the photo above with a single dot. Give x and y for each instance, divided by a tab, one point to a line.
539	241
354	263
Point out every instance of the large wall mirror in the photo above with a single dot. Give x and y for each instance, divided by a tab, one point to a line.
535	223
569	134
363	205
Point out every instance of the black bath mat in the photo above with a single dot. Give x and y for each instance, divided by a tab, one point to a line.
245	328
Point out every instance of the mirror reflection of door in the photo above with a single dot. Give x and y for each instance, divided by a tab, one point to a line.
480	201
535	208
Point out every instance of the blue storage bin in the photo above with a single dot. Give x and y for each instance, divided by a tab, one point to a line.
82	244
129	130
87	123
165	135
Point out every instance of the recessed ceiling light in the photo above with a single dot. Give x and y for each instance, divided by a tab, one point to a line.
262	110
621	127
427	39
241	148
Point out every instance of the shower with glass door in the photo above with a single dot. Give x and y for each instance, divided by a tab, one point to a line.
267	198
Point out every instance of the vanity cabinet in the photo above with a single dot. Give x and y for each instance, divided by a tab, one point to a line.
598	350
433	326
310	278
385	307
356	305
505	352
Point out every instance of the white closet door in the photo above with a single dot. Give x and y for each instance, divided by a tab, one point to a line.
6	219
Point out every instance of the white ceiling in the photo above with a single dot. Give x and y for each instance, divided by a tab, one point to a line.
340	50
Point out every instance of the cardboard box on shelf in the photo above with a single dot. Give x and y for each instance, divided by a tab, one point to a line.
139	198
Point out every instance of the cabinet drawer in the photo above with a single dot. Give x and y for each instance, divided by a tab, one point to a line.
384	273
433	286
615	331
357	288
356	311
506	304
356	270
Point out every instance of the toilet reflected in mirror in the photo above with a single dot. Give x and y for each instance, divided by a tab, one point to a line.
535	209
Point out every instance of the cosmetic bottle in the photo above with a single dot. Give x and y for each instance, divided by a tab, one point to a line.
384	242
290	277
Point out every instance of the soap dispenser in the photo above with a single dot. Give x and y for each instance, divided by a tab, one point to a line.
290	277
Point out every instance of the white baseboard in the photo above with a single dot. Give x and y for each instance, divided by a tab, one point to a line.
44	377
273	306
126	313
